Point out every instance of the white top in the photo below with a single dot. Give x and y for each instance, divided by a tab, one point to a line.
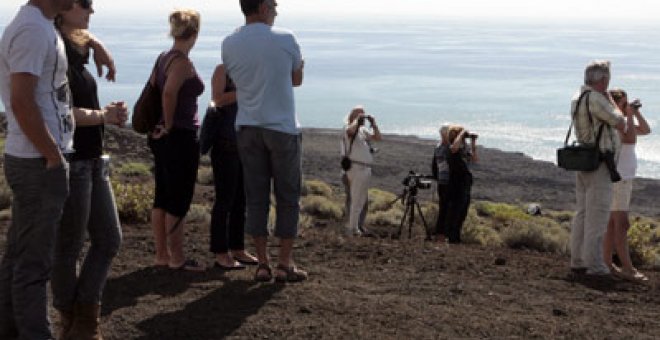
30	44
360	151
260	59
627	164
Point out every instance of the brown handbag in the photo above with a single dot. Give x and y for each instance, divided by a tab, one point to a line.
148	109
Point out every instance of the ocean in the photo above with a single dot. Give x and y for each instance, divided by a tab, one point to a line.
510	82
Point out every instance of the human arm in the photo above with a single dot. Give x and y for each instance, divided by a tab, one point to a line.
603	107
297	75
473	149
218	84
458	142
642	127
102	57
375	132
29	118
115	113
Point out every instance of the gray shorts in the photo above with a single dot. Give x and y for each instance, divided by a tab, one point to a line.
271	157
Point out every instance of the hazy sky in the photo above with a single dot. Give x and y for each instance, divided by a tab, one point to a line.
530	9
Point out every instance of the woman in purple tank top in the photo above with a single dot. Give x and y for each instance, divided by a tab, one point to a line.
174	143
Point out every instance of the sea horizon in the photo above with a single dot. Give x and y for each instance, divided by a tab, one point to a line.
510	82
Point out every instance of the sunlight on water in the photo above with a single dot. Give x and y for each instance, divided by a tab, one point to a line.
511	83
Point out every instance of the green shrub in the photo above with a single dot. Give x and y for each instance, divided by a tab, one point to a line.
198	214
322	207
380	200
481	234
305	221
134	201
317	188
205	176
644	242
5	193
134	169
500	211
388	218
542	235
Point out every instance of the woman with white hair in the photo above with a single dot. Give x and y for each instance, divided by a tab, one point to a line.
355	146
440	171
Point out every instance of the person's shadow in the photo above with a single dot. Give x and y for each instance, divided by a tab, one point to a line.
125	291
215	316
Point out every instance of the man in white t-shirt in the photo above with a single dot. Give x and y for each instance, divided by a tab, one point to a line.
265	63
40	126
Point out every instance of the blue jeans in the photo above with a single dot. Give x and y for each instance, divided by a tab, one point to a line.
267	156
90	207
38	200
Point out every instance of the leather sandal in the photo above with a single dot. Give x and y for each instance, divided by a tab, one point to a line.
291	274
259	276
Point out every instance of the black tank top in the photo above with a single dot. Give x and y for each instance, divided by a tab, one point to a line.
87	140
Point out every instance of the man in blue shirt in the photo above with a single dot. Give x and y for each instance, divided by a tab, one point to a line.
266	63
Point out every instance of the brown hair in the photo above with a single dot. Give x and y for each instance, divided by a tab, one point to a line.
618	94
184	23
453	132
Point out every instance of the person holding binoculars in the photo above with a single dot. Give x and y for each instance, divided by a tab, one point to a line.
459	156
356	146
616	236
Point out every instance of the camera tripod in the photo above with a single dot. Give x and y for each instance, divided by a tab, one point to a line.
409	199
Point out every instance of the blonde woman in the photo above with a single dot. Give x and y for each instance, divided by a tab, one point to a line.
616	236
356	146
174	142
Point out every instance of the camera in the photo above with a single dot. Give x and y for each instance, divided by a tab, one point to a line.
636	104
417	181
608	158
470	135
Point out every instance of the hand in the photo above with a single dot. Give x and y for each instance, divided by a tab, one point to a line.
115	113
55	161
159	132
102	57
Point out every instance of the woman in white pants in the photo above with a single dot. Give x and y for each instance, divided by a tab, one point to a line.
355	145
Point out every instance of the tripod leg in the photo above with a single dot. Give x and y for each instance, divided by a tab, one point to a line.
403	220
411	221
426	226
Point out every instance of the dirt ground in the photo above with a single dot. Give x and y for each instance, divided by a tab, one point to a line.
378	287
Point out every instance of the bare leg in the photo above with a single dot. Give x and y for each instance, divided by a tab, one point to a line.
175	239
621	225
159	229
286	247
260	243
608	242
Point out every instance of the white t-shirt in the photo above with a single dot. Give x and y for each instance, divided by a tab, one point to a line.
30	44
260	59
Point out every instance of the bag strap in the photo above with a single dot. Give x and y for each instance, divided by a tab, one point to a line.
174	57
574	115
350	148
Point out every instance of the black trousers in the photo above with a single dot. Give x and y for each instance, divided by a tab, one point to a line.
228	215
442	209
458	203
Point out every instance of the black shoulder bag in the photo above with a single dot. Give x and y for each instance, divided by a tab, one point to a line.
576	156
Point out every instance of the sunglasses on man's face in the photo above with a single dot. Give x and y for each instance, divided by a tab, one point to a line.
85	4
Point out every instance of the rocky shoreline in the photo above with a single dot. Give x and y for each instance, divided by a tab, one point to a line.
508	177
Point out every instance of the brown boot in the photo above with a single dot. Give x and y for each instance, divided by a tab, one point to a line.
86	320
66	320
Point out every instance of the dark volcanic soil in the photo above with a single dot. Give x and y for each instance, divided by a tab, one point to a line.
377	287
